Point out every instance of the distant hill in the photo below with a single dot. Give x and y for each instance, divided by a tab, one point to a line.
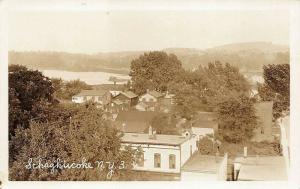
249	57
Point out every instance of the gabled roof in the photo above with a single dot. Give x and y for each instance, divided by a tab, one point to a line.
115	93
91	93
202	131
129	94
155	94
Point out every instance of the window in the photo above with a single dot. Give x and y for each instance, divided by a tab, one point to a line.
140	162
157	160
172	161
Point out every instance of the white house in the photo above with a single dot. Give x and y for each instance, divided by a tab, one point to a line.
99	96
151	96
161	153
201	132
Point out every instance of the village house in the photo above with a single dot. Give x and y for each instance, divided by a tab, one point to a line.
102	97
174	156
151	96
150	101
161	153
134	121
155	101
123	101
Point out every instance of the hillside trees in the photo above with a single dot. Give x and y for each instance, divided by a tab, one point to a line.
154	70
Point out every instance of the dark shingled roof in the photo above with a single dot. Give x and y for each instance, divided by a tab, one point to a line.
129	94
135	121
140	116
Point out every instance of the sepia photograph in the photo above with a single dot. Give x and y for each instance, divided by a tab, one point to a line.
148	95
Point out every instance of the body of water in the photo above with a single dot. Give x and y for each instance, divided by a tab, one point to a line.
91	78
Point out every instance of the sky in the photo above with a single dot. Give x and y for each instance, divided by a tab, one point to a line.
130	30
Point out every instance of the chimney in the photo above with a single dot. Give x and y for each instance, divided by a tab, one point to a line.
245	151
154	134
124	127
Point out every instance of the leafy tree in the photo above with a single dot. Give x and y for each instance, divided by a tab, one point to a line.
204	88
153	70
276	88
66	89
28	90
164	124
237	119
206	146
86	135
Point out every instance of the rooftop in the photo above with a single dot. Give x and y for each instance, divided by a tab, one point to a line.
141	138
202	131
262	168
202	163
129	94
137	116
156	94
91	93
